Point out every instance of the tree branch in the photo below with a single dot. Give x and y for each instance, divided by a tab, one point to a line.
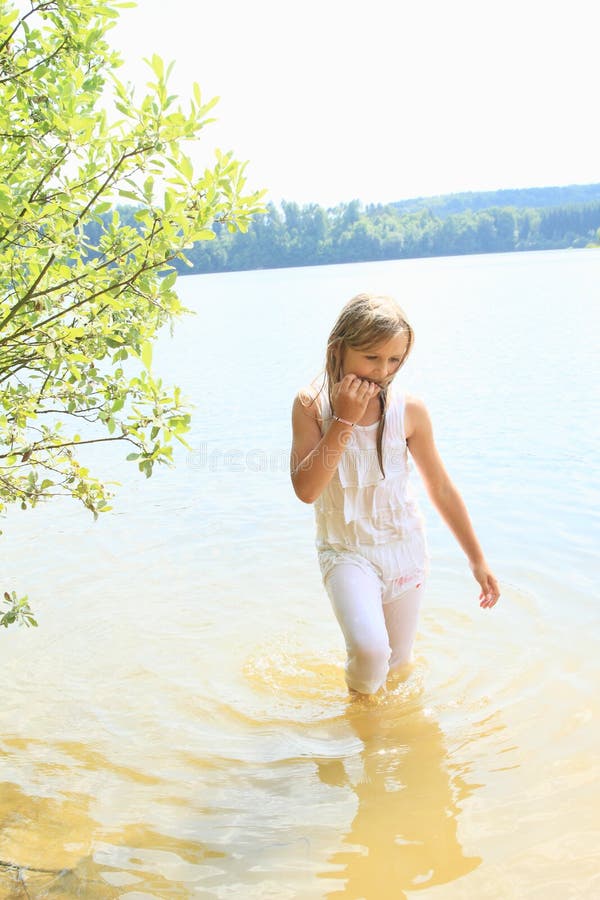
33	10
38	62
51	259
120	437
120	284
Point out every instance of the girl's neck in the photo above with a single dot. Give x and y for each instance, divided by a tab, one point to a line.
372	413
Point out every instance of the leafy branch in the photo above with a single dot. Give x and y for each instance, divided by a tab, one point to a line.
84	287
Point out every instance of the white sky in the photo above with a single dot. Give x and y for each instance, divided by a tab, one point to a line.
331	100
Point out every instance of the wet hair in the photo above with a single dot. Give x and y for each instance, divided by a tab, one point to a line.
365	322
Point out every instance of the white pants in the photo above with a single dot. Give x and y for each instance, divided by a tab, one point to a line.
379	636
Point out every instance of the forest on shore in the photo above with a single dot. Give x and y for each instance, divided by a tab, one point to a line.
447	225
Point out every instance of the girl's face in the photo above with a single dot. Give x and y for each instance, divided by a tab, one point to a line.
379	363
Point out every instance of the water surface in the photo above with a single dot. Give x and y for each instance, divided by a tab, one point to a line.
178	726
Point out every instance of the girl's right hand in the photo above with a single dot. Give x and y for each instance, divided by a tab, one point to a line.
350	397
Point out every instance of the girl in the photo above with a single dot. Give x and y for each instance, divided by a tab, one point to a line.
349	458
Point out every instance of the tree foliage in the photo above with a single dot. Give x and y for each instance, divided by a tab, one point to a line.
83	293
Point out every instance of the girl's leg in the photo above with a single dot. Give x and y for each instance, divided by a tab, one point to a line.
355	595
401	619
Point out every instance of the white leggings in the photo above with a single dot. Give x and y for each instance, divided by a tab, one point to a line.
379	636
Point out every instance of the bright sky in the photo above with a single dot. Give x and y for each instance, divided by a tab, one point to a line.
382	100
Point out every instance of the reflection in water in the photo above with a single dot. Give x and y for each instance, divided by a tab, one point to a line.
404	834
45	845
53	847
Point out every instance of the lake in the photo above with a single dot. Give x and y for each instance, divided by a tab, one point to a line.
179	726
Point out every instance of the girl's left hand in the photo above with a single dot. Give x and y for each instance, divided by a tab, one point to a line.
489	586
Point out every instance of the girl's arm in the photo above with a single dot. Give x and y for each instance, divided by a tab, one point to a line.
314	456
445	497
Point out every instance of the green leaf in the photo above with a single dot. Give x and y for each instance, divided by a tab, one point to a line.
146	354
158	65
186	168
148	188
167	282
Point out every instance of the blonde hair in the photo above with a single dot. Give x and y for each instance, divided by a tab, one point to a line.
366	321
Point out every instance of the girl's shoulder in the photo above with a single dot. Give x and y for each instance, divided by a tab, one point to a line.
415	414
399	401
311	400
307	411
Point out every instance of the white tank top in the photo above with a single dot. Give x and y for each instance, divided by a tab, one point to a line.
360	510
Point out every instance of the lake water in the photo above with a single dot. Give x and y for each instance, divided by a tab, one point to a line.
178	725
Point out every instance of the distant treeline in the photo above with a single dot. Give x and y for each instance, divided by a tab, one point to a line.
519	198
455	224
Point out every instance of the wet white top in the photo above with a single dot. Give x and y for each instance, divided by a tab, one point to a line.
360	510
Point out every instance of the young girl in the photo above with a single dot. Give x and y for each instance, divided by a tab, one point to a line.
349	458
